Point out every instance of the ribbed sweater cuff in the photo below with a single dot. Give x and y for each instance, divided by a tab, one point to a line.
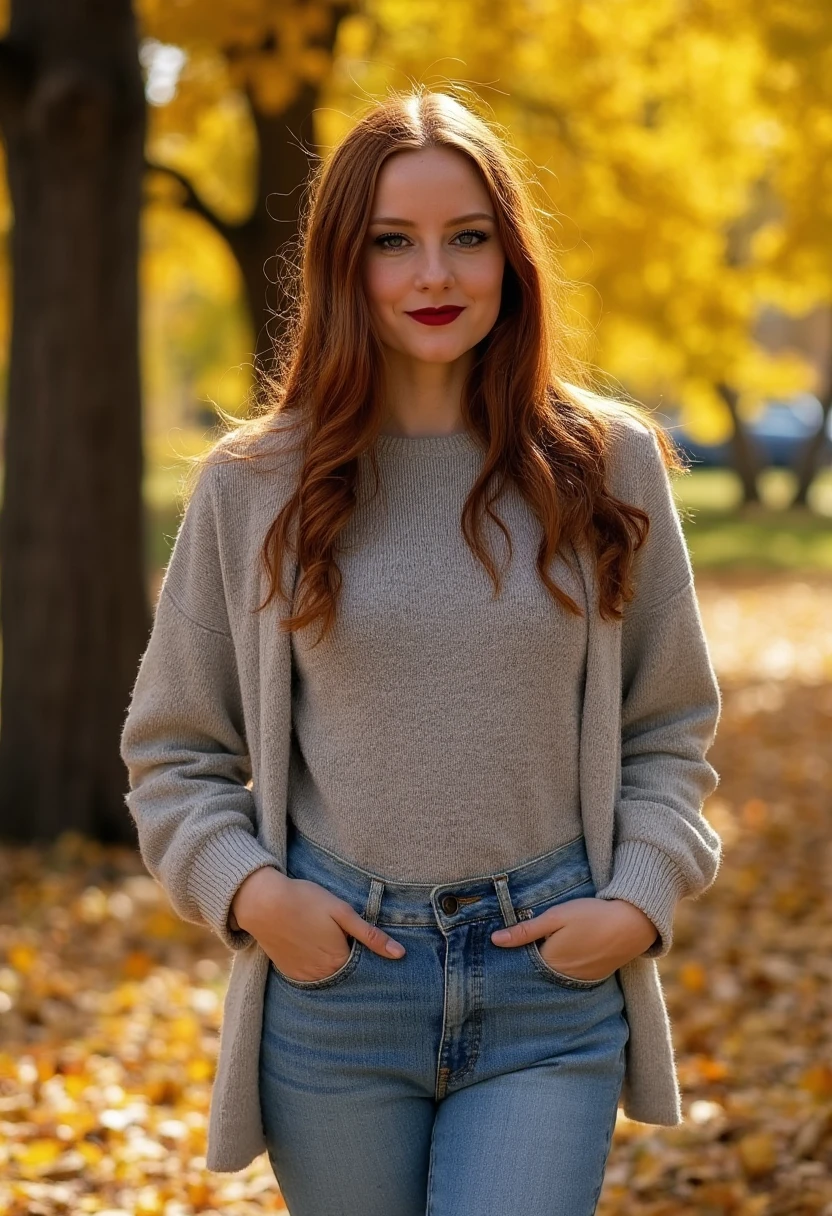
648	878
218	871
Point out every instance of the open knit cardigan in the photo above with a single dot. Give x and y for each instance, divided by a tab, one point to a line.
206	743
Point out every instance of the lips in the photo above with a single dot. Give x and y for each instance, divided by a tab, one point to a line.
436	316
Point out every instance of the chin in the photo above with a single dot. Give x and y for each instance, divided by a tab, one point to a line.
439	360
434	355
439	348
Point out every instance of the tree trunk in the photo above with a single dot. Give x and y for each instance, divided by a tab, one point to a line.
73	611
809	463
286	153
267	237
746	457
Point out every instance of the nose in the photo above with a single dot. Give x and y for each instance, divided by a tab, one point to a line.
433	270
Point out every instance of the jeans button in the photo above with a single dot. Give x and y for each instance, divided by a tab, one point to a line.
450	904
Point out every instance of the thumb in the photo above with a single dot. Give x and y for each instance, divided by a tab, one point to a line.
376	939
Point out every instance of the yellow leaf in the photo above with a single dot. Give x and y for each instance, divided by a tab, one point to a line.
200	1069
137	965
817	1080
22	958
758	1153
149	1202
92	1153
37	1154
713	1070
199	1194
693	977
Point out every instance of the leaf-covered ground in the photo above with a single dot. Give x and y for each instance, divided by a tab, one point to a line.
110	1006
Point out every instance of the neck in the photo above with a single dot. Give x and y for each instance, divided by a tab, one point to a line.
423	398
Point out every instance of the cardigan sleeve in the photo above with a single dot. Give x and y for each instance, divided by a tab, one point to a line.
664	848
183	740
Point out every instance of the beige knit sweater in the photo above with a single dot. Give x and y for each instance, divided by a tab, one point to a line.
208	747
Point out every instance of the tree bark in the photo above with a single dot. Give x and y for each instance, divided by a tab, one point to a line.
73	610
746	457
261	244
286	152
809	464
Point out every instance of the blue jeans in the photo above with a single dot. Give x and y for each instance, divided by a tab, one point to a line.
464	1079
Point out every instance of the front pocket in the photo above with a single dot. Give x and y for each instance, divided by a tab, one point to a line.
328	981
581	890
557	977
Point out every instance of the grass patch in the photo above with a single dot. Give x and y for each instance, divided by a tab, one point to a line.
165	470
723	534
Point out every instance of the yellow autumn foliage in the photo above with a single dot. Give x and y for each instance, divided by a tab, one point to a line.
681	150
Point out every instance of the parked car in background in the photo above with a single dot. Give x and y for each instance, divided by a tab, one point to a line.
779	433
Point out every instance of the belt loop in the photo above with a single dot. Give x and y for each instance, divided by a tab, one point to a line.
374	901
506	906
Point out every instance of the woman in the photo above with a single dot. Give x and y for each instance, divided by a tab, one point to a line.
440	806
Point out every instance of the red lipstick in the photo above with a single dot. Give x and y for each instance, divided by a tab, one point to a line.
436	316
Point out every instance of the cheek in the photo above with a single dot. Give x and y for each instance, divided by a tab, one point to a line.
485	278
382	283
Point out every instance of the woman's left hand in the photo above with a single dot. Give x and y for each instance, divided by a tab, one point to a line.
588	939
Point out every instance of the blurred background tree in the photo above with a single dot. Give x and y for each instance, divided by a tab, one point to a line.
681	154
74	615
72	107
237	133
679	146
792	252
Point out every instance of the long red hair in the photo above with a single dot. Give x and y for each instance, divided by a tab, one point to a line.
527	399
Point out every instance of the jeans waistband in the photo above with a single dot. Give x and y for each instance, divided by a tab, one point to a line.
450	903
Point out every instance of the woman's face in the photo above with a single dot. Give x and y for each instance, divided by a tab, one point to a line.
432	243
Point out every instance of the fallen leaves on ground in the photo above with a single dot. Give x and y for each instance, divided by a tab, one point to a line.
110	1006
749	979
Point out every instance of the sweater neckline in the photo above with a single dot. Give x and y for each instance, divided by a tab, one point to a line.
416	446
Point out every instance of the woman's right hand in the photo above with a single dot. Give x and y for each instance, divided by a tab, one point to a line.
301	926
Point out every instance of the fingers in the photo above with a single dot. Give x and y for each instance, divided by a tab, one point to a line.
526	931
376	939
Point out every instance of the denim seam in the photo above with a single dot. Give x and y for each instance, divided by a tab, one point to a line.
564	891
474	1053
432	1161
600	1186
438	1079
329	981
343	972
557	977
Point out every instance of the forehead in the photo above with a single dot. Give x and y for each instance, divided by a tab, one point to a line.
415	182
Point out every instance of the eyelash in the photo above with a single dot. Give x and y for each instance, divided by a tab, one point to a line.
400	235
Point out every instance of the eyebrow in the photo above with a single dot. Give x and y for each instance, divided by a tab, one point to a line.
460	219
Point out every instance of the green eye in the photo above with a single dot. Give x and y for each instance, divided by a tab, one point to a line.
481	237
389	236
